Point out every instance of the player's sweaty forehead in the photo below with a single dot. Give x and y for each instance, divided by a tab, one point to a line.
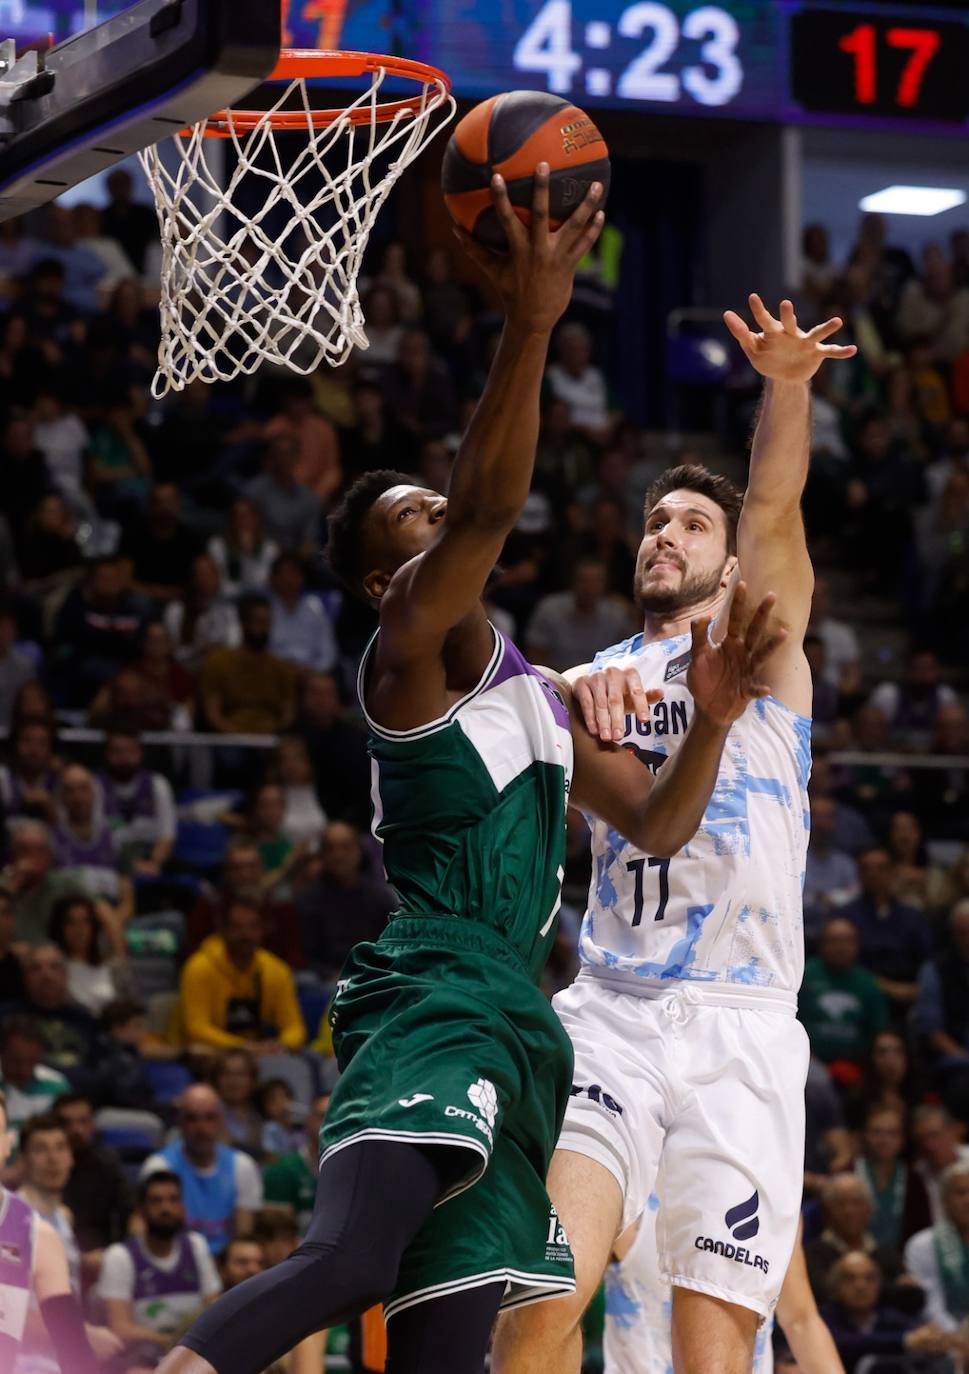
685	504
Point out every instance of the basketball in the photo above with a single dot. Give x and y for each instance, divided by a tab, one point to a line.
511	133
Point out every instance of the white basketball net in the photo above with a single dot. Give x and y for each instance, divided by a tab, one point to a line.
264	268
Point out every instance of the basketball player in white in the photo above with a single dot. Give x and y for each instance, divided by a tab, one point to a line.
636	1339
683	1015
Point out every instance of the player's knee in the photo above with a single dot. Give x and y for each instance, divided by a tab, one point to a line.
369	1273
539	1328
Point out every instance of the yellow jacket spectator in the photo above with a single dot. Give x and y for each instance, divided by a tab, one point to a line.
235	993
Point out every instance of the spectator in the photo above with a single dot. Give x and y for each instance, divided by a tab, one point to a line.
249	689
119	470
154	1283
92	980
847	1209
166	682
571	627
831	875
54	325
818	272
317	447
51	552
344	905
393	276
862	1324
276	1102
934	306
161	546
912	707
281	858
27	783
841	1004
221	1187
241	1260
34	885
97	1191
131	223
86	849
384	330
420	391
826	706
121	1076
33	705
130	329
236	1078
301	629
244	876
203	619
11	971
901	1205
24	476
132	701
138	804
236	994
290	512
936	1258
375	431
46	1158
98	631
941	795
63	439
942	1012
889	1079
337	750
852	833
29	1086
70	1032
938	1143
915	881
86	222
290	769
291	1180
83	270
447	305
16	669
574	379
895	940
243	554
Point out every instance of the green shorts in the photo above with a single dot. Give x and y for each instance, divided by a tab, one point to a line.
443	1039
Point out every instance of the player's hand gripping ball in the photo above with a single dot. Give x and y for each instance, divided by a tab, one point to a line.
511	134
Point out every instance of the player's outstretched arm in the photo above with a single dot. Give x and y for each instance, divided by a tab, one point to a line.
493	469
660	815
770	540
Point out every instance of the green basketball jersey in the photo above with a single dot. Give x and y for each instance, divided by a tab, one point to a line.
471	808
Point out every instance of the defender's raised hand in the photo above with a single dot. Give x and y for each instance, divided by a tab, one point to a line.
782	351
534	278
724	678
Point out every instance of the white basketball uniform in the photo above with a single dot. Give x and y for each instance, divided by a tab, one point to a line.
683	1013
639	1306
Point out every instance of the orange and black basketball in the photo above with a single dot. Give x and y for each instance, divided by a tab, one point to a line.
511	134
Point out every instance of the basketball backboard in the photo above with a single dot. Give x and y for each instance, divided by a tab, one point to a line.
110	90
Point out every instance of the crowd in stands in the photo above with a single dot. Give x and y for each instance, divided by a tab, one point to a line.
174	915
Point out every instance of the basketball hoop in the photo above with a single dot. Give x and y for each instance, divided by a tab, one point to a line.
263	268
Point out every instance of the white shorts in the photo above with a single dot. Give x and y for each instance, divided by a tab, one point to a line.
710	1081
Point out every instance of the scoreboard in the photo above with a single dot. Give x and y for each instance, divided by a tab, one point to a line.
791	61
884	63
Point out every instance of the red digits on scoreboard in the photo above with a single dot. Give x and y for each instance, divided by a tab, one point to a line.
862	43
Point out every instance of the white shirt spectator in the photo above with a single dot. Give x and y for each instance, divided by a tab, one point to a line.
841	647
245	572
216	628
303	634
922	1264
304	819
62	441
933	1187
248	1179
168	1313
586	395
92	986
39	1096
887	697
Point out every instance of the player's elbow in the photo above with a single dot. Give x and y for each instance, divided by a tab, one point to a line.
658	840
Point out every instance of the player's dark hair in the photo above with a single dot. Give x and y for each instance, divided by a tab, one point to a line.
695	477
156	1176
347	543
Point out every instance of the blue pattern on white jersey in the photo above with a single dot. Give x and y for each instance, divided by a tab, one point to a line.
639	1309
727	908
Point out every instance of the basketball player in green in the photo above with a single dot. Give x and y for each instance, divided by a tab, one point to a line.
455	1070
